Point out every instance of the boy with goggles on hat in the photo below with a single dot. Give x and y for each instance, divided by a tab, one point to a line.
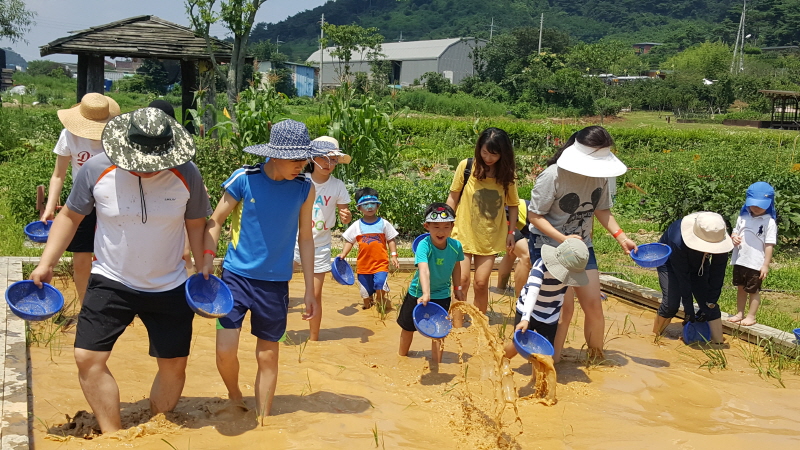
373	234
436	258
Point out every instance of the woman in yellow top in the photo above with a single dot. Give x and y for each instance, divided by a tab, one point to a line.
480	202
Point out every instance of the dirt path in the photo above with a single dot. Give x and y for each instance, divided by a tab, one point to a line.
352	386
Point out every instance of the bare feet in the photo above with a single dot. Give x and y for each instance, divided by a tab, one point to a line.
748	321
735	319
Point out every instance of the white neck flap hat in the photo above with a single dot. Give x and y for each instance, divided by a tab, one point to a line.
591	162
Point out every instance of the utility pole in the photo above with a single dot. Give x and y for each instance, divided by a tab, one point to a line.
278	43
491	30
738	47
541	24
321	51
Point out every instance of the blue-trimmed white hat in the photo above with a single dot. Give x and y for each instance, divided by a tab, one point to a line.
289	139
368	199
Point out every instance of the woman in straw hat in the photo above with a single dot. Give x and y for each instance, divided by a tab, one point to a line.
566	198
79	141
146	192
695	269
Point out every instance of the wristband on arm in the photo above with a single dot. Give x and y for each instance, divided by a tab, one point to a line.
210	252
617	233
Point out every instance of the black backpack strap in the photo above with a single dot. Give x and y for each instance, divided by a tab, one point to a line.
467	172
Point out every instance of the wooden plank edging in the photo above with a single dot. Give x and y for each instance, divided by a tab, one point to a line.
649	298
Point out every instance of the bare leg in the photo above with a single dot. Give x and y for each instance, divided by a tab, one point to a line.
267	377
316	321
168	384
405	342
99	388
741	304
504	271
483	271
510	350
716	331
594	322
660	325
82	270
755	302
228	362
436	351
523	268
563	324
466	269
383	301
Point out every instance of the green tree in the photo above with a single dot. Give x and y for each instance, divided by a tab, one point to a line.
235	15
155	76
45	67
608	56
708	60
348	39
436	83
15	20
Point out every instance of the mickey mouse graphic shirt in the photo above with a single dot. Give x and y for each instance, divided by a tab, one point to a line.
481	225
568	201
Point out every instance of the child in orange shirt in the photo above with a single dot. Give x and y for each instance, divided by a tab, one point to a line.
372	234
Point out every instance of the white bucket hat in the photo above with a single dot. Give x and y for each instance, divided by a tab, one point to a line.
591	162
706	232
342	157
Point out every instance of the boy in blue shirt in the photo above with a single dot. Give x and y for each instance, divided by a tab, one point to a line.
268	201
437	260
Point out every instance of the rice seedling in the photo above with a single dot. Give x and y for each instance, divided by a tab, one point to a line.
307	387
302	348
379	439
716	358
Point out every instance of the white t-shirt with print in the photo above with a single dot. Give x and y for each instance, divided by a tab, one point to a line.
756	233
80	149
324	212
140	233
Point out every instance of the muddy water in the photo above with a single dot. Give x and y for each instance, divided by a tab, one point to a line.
544	379
342	391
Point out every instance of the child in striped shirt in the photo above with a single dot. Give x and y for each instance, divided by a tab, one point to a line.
539	303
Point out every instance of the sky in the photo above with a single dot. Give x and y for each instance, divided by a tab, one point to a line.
56	18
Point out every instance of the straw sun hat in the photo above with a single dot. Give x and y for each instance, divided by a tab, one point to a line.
88	118
591	162
706	232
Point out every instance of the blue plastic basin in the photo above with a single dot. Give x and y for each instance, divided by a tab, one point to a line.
431	320
31	303
696	332
208	298
342	272
651	255
531	342
38	231
417	241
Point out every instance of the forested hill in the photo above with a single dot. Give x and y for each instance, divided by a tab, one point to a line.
681	22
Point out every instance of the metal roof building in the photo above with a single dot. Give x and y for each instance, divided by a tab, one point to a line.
410	60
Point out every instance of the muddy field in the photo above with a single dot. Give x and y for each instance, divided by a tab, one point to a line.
351	390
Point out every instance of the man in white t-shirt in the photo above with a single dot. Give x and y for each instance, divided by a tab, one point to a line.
146	192
332	199
79	141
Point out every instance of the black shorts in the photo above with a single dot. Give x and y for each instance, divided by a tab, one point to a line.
548	330
518	235
749	279
405	318
83	241
109	307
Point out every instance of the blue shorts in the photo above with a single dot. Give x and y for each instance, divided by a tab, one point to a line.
268	302
369	283
536	253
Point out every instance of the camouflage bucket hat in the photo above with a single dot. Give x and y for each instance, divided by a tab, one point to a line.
147	140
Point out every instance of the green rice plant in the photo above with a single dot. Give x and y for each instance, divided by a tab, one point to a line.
307	387
379	441
762	357
301	348
715	357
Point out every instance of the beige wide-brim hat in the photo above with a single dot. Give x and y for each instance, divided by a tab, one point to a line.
342	157
706	232
591	162
88	118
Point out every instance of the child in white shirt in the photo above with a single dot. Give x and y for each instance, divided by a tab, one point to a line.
754	237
